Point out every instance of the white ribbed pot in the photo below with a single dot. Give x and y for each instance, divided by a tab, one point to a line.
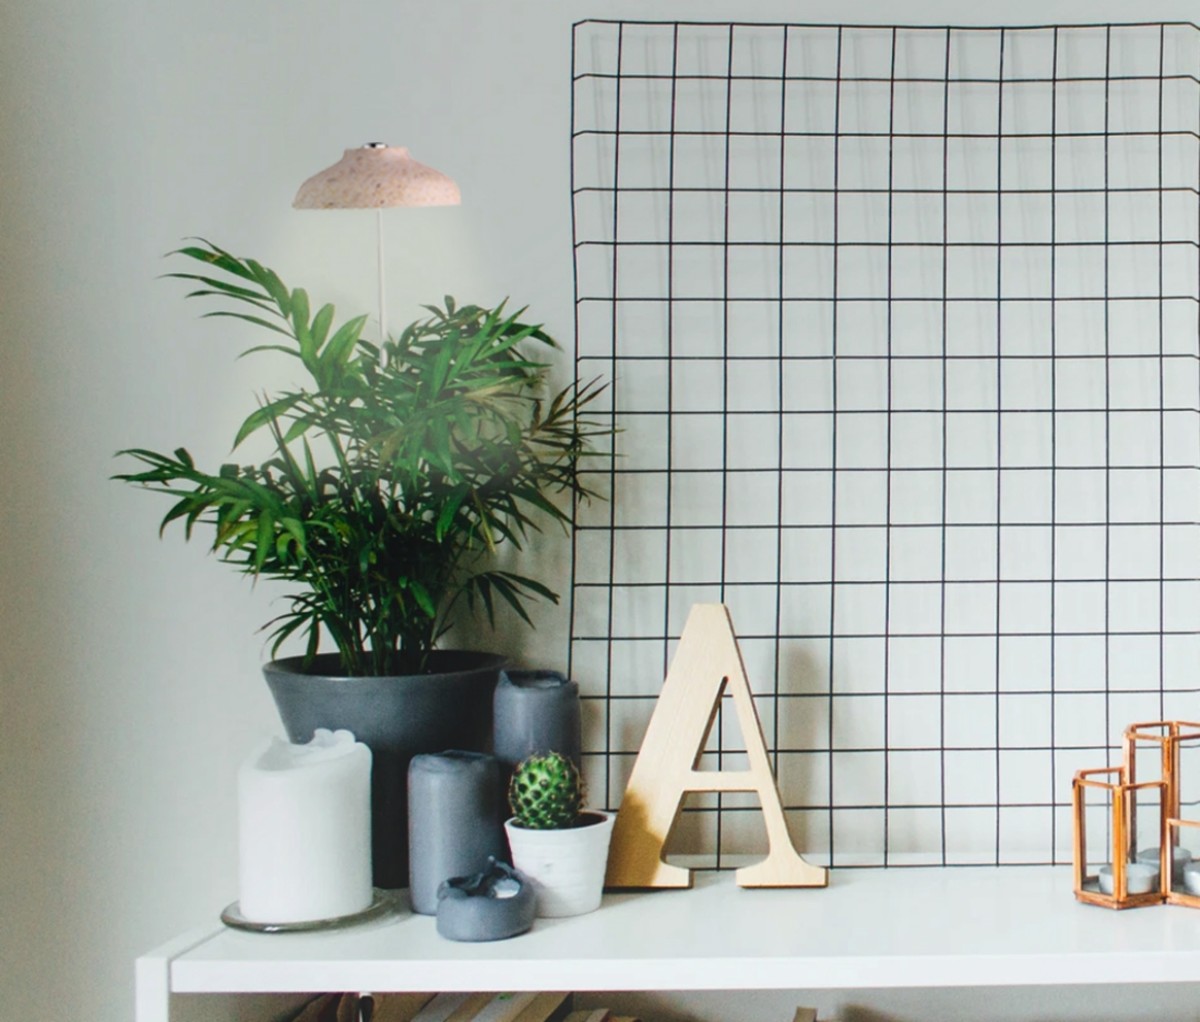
566	866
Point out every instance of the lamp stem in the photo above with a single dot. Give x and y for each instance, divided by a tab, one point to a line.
382	299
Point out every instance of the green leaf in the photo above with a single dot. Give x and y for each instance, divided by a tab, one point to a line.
262	543
297	429
449	511
441	369
215	287
299	318
256	320
183	507
271	347
421	595
294	528
342	343
419	458
271	283
321	323
532	585
214	256
265	414
510	596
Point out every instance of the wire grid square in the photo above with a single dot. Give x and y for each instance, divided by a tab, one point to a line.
901	328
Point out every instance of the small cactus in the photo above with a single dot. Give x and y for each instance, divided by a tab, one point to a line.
546	792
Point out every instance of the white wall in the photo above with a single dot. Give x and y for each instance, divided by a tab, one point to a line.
129	684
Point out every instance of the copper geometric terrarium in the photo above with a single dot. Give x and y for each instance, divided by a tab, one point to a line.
1132	815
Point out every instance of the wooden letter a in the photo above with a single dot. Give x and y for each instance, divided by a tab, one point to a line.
706	663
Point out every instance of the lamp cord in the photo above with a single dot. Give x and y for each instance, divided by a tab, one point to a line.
382	299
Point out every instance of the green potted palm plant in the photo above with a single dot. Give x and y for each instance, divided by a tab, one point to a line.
390	479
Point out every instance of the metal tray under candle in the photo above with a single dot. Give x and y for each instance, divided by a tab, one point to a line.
382	903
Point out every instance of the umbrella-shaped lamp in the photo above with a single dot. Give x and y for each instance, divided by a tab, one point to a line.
376	176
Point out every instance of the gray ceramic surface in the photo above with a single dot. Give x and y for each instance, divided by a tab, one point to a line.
397	717
495	904
454	823
535	712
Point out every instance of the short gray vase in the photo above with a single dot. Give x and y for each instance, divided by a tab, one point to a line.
535	712
453	826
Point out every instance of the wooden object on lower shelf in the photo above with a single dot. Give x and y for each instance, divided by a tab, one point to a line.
548	1007
706	663
452	1007
393	1007
319	1009
503	1007
348	1008
446	1007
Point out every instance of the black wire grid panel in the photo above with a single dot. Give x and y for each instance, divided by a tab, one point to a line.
901	325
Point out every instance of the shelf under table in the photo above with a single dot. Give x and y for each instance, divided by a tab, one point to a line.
903	927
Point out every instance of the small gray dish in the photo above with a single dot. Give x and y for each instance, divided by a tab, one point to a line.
495	904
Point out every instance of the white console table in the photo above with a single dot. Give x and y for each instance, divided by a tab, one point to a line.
968	927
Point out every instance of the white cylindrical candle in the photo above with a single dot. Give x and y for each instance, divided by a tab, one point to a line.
1140	878
1180	857
304	830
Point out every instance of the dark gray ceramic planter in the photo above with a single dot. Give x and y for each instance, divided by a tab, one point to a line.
397	717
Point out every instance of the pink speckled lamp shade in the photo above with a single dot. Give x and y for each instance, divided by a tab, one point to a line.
374	176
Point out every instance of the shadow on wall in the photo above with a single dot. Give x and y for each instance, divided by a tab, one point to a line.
40	711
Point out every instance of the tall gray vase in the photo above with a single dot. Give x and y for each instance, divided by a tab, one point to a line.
535	712
453	826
